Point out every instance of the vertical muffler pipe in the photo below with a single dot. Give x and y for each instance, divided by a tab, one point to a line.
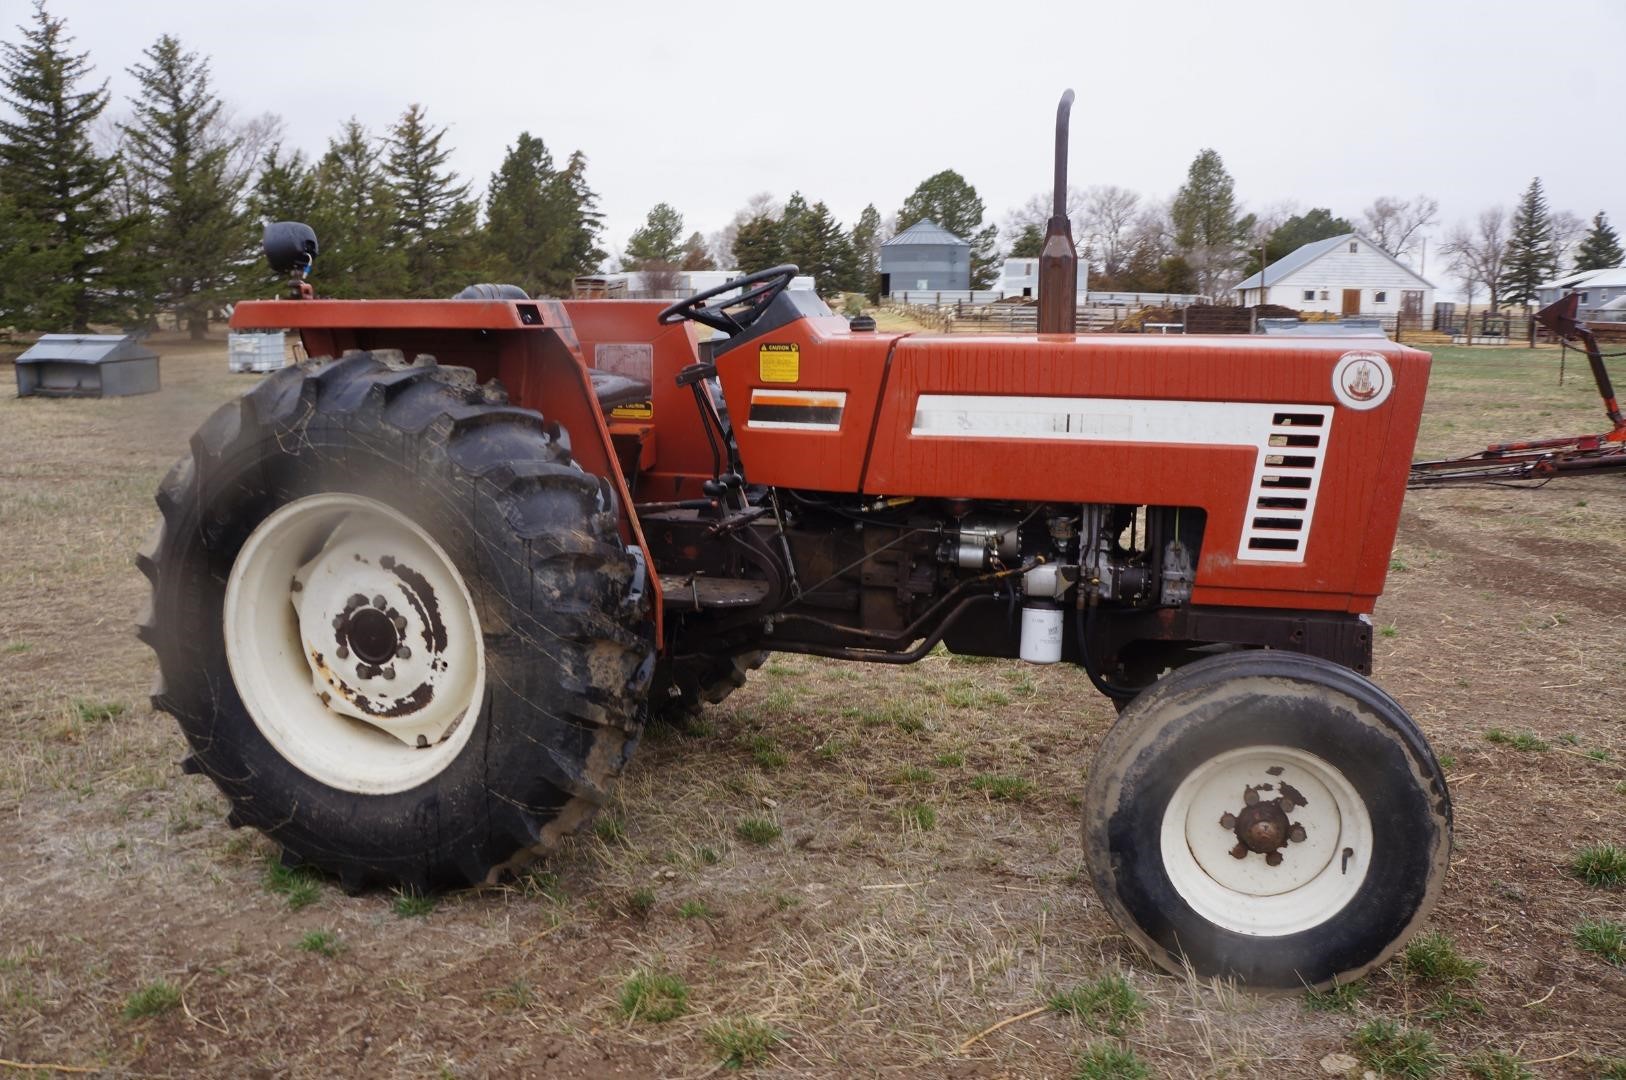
1058	259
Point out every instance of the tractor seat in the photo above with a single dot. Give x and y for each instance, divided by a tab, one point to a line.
612	389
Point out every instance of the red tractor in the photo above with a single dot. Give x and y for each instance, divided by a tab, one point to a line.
414	602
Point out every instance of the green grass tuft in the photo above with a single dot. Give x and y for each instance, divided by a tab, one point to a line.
1433	958
1394	1050
913	774
517	995
951	759
298	885
1107	1003
611	828
654	996
766	753
1521	741
152	1000
1498	1065
1605	937
1603	866
411	904
741	1042
87	711
1014	788
324	942
641	901
755	830
920	817
16	648
1339	999
695	909
1103	1061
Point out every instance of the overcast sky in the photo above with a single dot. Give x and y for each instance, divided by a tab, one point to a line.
704	104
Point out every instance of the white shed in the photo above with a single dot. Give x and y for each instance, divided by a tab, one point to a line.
1348	274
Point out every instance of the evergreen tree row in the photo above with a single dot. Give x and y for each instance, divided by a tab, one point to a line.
167	219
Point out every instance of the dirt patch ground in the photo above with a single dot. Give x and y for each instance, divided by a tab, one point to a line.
900	910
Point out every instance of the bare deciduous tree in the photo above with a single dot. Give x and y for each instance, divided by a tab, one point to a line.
1395	224
1108	213
1036	211
1568	230
1478	252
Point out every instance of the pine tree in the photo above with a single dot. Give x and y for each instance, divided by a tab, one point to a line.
815	242
695	255
59	237
578	207
434	217
525	232
1531	255
658	242
355	221
1206	229
759	244
1028	243
865	241
1601	248
194	238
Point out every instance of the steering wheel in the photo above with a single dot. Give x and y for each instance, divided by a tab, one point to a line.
757	291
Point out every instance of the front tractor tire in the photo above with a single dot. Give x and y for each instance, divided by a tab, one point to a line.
396	623
1267	817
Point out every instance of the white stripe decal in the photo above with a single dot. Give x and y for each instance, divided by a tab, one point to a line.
1289	440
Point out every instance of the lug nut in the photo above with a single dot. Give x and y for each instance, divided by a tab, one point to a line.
403	653
1250	796
1296	833
355	601
1273	858
423	741
297	586
342	653
379	602
399	622
1227	820
338	622
388	671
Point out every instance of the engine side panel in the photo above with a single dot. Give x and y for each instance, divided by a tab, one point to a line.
1188	421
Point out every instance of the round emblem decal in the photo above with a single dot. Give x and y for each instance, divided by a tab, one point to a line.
1362	380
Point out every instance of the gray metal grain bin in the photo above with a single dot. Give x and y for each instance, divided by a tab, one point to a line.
87	365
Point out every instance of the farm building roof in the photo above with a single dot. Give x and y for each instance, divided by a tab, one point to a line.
1298	258
925	231
1612	278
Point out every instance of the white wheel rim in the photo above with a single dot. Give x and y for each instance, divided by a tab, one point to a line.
364	696
1322	862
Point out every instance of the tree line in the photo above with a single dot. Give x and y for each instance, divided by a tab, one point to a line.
162	210
115	222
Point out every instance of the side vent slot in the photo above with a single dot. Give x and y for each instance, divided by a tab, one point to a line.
1288	472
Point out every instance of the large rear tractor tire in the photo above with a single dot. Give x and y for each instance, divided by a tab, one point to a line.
1268	817
396	623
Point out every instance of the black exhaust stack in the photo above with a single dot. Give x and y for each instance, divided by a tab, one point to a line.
1058	260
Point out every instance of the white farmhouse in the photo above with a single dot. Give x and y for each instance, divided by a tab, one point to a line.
1348	274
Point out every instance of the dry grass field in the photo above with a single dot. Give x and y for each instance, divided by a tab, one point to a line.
842	871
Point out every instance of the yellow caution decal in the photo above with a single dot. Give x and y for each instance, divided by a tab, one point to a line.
634	410
781	363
